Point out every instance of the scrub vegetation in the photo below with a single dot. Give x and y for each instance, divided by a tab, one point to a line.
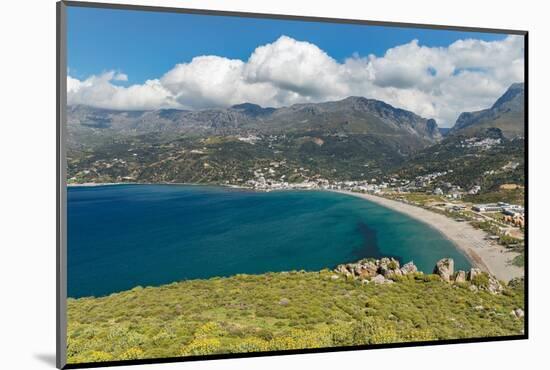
283	311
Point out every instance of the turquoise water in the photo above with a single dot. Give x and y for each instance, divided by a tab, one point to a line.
122	236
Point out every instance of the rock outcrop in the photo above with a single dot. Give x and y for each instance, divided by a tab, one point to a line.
460	276
378	271
408	268
380	279
386	270
445	269
478	279
494	286
473	273
517	313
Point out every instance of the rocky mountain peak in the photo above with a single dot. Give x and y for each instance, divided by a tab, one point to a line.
515	93
506	114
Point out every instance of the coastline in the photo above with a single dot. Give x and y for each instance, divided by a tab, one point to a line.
93	184
473	243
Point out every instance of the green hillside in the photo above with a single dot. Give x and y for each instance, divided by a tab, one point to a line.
511	124
220	159
282	311
489	166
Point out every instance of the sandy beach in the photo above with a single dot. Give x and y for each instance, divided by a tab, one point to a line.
485	254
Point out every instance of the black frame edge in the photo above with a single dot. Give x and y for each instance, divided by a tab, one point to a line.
61	244
526	194
291	352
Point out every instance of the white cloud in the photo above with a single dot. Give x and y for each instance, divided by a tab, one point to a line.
212	81
120	77
435	82
99	91
296	66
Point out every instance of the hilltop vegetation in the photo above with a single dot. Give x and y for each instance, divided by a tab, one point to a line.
280	311
488	160
221	159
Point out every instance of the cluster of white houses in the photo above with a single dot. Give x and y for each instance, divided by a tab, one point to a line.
447	189
475	142
260	183
506	208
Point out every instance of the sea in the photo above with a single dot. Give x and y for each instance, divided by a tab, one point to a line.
123	236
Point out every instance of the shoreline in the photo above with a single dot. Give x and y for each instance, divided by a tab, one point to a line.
228	186
473	243
94	184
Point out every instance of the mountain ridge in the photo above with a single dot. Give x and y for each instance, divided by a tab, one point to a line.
506	114
352	114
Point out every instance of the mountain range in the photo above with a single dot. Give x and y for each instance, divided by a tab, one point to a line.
353	115
353	138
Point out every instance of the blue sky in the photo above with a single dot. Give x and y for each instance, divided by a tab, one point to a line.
134	60
147	44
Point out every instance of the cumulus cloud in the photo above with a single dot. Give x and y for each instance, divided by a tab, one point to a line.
298	67
99	91
435	82
212	81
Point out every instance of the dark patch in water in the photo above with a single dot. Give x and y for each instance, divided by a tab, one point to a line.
369	248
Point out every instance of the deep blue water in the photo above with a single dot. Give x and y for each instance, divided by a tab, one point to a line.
121	236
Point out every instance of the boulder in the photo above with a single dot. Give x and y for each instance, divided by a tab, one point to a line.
460	276
341	269
284	301
389	267
408	268
394	264
344	270
518	312
494	286
396	272
473	273
369	268
380	279
389	263
445	268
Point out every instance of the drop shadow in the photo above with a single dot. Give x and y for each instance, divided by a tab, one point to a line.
46	358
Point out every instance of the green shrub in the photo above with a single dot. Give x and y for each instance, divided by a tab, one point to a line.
481	280
202	346
429	278
242	314
133	353
372	330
